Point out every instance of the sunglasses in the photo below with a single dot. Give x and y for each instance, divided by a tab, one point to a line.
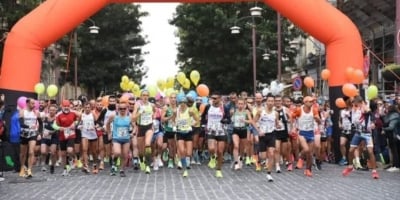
121	109
214	97
249	102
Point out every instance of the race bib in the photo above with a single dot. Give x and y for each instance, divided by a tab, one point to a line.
239	121
88	125
68	132
145	118
122	132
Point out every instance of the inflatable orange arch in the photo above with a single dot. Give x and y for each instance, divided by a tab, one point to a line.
22	54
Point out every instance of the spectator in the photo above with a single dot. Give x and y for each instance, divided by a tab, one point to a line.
391	128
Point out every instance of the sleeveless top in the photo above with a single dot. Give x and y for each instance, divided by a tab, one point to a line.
183	121
214	117
88	126
170	123
121	125
267	121
306	120
30	119
282	120
346	123
48	130
146	114
238	119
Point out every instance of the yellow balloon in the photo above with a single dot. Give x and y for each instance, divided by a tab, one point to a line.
195	77
52	90
186	84
170	82
125	79
152	90
39	88
181	77
131	84
161	84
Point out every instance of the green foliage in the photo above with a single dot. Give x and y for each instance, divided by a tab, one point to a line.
103	58
224	60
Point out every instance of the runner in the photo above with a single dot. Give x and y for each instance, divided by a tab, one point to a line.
268	120
143	114
29	122
89	139
282	135
240	118
217	119
346	131
305	116
49	138
117	128
157	140
168	118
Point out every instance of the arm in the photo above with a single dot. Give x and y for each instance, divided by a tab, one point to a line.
277	125
195	117
108	125
21	119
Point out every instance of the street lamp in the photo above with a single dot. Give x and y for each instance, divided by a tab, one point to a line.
254	12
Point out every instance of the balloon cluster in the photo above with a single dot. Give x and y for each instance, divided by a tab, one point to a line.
52	89
21	103
274	88
129	85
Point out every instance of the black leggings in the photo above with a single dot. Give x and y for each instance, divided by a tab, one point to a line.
394	145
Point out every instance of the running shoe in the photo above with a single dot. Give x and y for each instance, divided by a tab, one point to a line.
106	159
65	173
308	173
254	159
375	174
212	163
142	166
343	162
258	166
185	173
299	164
147	170
347	171
278	168
393	169
155	167
58	163
118	163
160	162
218	174
95	169
269	178
28	173
290	167
51	169
79	164
179	165
101	167
248	161
85	169
44	169
68	168
165	155
170	164
318	164
236	167
22	172
122	173
357	164
113	170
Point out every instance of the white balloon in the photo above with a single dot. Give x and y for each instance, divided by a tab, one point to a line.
273	84
265	91
280	87
274	90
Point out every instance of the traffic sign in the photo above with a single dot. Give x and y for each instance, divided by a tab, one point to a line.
297	83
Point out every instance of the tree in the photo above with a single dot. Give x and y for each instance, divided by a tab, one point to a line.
103	58
225	60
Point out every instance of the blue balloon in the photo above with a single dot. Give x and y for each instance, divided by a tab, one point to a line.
192	94
204	100
180	97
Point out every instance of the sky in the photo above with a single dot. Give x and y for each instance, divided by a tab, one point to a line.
162	47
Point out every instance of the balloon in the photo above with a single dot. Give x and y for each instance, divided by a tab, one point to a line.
186	84
273	84
204	100
130	85
325	73
202	90
170	82
280	87
372	91
192	94
170	91
37	105
104	100
349	90
309	82
52	90
340	103
180	96
21	102
39	88
358	76
161	84
152	90
195	77
181	77
349	73
125	79
265	91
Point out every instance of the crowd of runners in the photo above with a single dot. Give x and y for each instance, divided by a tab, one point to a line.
275	134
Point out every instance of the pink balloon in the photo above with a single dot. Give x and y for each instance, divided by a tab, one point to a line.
21	102
36	105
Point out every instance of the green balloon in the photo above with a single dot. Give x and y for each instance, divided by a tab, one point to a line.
372	91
